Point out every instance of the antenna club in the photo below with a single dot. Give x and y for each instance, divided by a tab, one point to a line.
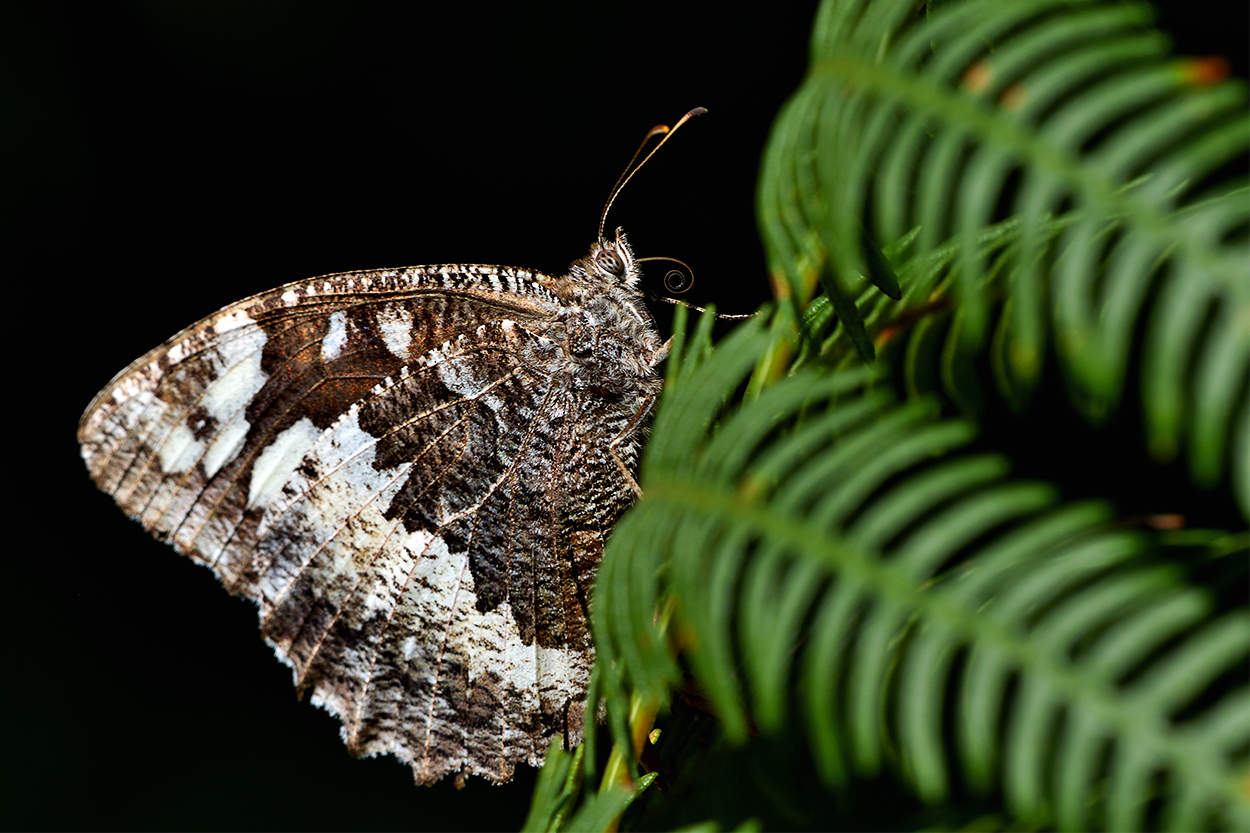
626	175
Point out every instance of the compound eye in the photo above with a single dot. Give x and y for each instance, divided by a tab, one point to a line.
610	263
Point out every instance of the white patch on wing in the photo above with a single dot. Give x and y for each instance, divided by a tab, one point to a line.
345	457
279	460
530	676
445	575
334	342
409	647
496	654
240	346
235	364
341	500
395	322
180	450
562	674
226	447
488	644
226	400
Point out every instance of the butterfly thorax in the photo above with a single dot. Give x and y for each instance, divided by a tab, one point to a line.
611	340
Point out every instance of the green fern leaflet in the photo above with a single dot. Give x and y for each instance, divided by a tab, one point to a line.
828	562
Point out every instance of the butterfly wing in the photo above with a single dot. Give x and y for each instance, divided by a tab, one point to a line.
389	465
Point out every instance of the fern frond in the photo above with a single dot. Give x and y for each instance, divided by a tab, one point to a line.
1066	123
832	553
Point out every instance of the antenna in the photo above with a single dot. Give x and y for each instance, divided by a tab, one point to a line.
683	280
677	302
627	174
681	283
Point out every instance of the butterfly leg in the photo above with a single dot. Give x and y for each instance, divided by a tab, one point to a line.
637	419
661	354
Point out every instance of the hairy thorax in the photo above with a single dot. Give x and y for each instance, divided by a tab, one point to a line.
609	338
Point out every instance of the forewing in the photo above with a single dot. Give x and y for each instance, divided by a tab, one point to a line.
377	460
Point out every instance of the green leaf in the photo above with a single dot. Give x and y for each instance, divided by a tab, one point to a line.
836	557
1069	122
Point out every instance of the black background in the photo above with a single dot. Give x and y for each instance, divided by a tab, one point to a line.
164	159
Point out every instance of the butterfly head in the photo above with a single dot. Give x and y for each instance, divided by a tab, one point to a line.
612	264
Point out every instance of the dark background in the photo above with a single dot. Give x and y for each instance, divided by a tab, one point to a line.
176	157
164	159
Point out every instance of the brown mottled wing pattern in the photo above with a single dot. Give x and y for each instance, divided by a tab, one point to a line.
386	463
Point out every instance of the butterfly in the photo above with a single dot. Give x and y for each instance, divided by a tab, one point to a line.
413	473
